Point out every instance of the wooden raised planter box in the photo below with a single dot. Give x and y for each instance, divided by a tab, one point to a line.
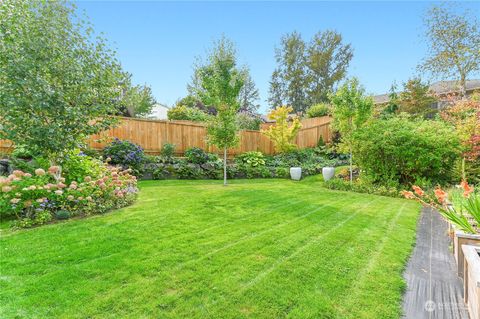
471	279
460	238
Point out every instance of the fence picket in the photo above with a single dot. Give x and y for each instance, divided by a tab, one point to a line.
153	134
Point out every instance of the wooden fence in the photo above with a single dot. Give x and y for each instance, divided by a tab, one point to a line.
153	134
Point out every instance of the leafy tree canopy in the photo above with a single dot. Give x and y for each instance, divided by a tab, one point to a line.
307	73
416	99
453	41
136	100
58	84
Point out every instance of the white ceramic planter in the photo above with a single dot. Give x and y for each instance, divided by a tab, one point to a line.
296	173
328	173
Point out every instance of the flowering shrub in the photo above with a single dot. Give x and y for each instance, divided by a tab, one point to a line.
38	198
463	211
126	154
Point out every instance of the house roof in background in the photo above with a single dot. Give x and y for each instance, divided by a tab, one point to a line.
444	87
440	87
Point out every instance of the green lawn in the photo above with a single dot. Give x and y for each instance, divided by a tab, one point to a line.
196	249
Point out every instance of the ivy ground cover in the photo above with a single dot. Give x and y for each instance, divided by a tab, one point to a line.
197	249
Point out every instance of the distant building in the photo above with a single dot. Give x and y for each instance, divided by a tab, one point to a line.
159	112
441	89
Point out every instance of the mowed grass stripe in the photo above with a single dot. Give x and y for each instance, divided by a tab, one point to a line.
331	257
189	252
237	257
297	250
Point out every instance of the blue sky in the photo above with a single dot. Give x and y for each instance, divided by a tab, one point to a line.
158	41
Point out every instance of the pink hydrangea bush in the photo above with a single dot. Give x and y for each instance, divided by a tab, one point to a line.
35	199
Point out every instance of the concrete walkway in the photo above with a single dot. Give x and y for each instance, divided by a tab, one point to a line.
434	290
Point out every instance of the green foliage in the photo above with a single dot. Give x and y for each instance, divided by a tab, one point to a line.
351	109
58	83
201	165
23	152
84	263
362	187
76	165
453	40
222	129
136	100
249	95
35	199
196	155
416	99
288	84
318	110
405	151
181	112
126	154
327	62
307	73
168	150
246	121
252	159
218	81
62	214
282	133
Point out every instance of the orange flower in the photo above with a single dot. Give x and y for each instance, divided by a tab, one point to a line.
408	194
467	189
418	190
440	195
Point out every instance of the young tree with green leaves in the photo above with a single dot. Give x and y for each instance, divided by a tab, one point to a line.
453	41
351	109
217	82
58	84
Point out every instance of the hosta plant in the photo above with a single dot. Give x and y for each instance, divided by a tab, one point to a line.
252	159
461	210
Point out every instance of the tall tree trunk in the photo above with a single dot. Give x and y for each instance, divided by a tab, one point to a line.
463	87
224	166
351	168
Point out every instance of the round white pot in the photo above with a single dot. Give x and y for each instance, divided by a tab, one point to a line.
296	173
328	173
